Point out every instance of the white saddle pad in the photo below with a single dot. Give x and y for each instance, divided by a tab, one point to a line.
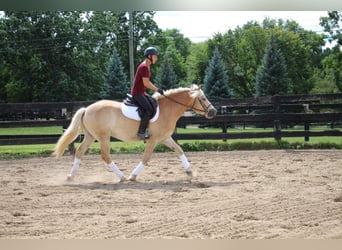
132	113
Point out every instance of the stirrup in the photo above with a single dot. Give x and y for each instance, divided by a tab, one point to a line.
144	135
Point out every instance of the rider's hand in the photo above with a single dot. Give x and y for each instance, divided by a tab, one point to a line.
160	91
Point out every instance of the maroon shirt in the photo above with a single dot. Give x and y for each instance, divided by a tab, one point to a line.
138	86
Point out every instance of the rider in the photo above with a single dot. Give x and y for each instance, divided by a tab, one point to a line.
141	83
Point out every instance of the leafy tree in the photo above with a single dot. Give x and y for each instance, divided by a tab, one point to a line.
333	25
216	78
333	61
63	55
324	81
197	62
171	44
38	55
242	50
144	27
116	85
332	64
271	78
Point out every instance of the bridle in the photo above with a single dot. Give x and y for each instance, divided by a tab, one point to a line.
204	109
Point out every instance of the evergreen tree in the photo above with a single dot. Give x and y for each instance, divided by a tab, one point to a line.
216	78
271	77
116	85
166	78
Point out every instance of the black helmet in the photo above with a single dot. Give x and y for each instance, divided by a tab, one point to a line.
151	51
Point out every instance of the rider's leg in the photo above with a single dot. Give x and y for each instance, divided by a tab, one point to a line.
148	110
143	132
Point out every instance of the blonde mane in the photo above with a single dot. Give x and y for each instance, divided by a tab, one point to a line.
169	92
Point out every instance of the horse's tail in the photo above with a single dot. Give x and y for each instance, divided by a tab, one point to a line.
70	134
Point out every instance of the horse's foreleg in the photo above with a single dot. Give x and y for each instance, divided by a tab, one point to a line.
87	141
146	158
105	155
170	143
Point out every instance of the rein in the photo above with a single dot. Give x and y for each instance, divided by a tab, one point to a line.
205	109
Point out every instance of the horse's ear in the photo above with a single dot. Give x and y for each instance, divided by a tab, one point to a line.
200	87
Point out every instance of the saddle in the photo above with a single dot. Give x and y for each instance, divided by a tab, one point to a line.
131	109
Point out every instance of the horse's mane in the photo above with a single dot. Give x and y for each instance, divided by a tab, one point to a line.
174	91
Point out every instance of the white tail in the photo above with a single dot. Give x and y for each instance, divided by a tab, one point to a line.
70	134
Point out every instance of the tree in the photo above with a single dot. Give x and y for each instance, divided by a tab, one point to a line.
143	27
332	64
216	78
38	55
333	25
166	77
243	49
63	55
116	85
171	44
197	62
271	78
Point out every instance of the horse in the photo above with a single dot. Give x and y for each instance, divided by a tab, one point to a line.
104	119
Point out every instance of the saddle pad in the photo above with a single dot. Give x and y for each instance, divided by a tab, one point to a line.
132	112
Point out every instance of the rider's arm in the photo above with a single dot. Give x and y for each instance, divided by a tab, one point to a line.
148	84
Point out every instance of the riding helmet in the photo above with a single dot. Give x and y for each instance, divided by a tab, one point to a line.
151	51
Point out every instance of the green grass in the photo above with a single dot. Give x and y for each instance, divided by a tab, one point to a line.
32	131
24	151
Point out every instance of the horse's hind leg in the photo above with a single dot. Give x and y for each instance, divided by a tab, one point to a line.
170	143
105	155
87	141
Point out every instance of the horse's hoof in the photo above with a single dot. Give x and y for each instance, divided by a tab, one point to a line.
133	177
122	179
70	178
189	174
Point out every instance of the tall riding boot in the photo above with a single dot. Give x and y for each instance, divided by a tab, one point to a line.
143	132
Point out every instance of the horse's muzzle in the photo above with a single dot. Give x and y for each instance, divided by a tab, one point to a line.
211	113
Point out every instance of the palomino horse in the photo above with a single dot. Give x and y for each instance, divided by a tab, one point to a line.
104	119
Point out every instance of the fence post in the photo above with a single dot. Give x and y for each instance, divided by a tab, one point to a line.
277	130
224	130
276	123
306	129
306	124
276	103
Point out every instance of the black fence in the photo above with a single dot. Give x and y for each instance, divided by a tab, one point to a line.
277	112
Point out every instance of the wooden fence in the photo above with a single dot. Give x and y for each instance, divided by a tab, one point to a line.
277	112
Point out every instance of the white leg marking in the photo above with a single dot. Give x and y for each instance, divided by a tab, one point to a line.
138	169
117	171
74	168
185	162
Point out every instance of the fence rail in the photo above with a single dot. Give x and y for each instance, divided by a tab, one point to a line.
271	111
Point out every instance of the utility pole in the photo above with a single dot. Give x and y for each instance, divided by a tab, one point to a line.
130	48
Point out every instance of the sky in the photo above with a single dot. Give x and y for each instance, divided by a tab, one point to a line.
199	26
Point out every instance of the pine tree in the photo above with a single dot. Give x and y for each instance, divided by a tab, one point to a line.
116	85
272	77
216	78
167	74
166	77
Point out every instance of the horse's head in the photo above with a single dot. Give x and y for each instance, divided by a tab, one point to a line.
201	104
